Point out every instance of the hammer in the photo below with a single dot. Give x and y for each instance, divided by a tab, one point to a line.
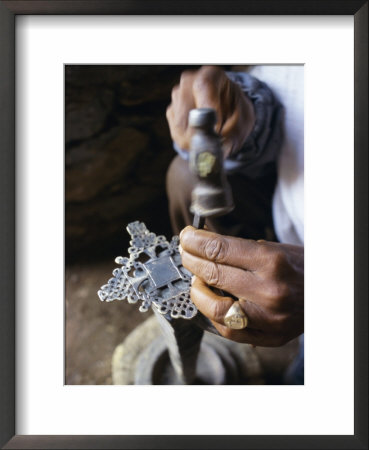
212	195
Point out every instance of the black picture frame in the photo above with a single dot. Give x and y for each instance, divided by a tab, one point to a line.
8	12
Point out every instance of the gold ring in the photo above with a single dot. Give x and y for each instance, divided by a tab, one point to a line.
236	318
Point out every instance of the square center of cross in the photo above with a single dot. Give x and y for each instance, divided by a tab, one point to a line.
162	271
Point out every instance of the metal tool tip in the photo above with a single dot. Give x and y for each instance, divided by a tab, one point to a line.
202	117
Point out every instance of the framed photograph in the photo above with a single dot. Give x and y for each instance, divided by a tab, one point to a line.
80	76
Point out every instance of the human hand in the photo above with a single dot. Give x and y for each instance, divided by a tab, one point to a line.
266	277
209	87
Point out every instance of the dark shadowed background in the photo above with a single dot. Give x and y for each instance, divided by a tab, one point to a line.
117	151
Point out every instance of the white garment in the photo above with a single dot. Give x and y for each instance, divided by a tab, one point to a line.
287	83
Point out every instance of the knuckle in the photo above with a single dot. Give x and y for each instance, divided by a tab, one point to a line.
212	274
282	291
174	93
186	76
200	84
209	73
205	77
215	249
277	260
194	294
279	323
216	312
168	113
276	293
227	333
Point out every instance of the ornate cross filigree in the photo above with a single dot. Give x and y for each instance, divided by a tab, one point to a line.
153	274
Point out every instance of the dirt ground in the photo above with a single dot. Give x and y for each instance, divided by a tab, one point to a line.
95	328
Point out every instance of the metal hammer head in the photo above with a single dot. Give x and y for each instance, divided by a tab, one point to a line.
202	118
212	194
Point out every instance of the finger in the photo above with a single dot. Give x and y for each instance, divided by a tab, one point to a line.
235	131
213	306
208	82
261	318
184	98
180	107
233	280
177	112
177	120
208	85
230	134
175	92
241	253
177	133
187	79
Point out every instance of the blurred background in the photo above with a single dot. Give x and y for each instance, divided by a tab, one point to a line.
117	151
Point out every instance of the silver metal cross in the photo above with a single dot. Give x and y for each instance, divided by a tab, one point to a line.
153	274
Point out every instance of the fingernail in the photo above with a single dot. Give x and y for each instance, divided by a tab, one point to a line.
180	234
193	278
180	249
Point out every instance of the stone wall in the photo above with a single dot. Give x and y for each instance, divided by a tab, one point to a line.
117	150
